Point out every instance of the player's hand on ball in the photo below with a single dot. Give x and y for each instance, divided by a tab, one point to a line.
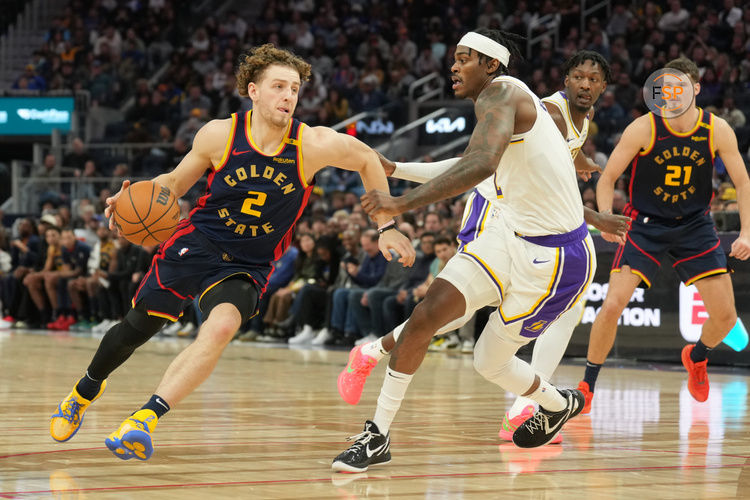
377	203
741	247
111	205
394	240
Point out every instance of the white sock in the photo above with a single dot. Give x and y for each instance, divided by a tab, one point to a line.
374	349
548	397
397	331
391	395
518	406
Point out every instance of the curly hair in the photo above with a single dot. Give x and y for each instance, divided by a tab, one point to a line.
254	63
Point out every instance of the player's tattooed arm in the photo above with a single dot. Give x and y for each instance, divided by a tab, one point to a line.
496	111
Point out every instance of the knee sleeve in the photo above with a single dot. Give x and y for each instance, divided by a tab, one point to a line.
122	339
495	358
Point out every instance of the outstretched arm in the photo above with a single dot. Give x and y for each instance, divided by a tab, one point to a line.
322	146
496	112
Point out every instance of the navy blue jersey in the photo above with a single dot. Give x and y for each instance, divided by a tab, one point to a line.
253	200
77	257
671	179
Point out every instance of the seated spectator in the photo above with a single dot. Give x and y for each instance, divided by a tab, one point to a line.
311	302
24	252
281	276
304	270
364	274
397	308
85	291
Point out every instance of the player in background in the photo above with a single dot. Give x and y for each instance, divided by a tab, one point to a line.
670	194
262	165
587	74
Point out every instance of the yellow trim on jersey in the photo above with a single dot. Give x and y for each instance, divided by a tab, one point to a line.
249	135
692	280
221	280
517	141
570	118
300	166
541	299
589	277
228	147
487	207
640	274
688	133
470	204
498	191
711	136
487	269
652	141
163	315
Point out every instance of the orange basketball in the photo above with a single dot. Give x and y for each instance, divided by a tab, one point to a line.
146	213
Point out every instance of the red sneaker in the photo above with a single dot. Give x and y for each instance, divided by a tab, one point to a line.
697	375
588	396
352	379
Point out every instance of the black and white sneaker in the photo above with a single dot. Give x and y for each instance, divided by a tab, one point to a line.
544	425
370	448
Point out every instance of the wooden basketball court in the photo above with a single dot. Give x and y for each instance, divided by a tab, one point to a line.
269	421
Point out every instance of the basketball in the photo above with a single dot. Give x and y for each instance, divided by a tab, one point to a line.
146	213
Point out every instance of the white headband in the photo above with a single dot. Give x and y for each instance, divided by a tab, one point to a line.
486	46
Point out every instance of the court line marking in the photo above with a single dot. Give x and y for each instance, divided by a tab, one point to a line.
379	478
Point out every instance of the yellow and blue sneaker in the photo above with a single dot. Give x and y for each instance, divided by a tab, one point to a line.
133	438
68	418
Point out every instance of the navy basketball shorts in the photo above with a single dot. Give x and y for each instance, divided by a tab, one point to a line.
185	267
691	244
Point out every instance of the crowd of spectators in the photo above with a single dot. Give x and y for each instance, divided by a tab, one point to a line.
365	54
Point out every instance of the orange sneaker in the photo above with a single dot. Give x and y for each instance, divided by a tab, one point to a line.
587	394
509	425
697	375
352	379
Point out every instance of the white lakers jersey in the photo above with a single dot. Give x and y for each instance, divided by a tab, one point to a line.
535	183
575	137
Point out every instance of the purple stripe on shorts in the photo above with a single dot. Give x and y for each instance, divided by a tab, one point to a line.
575	274
559	240
469	230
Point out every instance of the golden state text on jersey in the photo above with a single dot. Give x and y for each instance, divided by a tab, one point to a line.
253	200
671	179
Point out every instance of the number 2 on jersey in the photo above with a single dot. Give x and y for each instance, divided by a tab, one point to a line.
257	199
674	172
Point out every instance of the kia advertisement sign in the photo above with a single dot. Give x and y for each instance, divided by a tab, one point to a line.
458	120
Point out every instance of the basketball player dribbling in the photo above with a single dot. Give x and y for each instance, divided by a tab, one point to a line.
533	259
586	76
262	166
670	194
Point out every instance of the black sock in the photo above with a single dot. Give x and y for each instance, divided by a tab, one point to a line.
699	352
592	372
88	387
157	405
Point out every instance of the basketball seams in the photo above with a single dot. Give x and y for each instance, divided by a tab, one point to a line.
132	204
166	211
